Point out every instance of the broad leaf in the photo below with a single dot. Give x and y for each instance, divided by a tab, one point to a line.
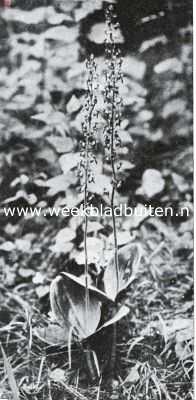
81	282
129	260
121	313
68	305
53	334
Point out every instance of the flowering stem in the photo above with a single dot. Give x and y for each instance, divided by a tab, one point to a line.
114	182
85	216
112	140
87	158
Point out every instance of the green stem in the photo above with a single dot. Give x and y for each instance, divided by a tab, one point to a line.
86	231
114	180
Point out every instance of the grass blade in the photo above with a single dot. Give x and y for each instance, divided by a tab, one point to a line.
10	375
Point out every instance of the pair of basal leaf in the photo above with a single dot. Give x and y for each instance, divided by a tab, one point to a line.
73	320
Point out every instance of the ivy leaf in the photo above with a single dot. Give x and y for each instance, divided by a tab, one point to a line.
67	300
129	257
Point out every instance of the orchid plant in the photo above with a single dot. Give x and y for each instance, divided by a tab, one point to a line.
76	302
68	305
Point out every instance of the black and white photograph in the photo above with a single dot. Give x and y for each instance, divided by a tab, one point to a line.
96	200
